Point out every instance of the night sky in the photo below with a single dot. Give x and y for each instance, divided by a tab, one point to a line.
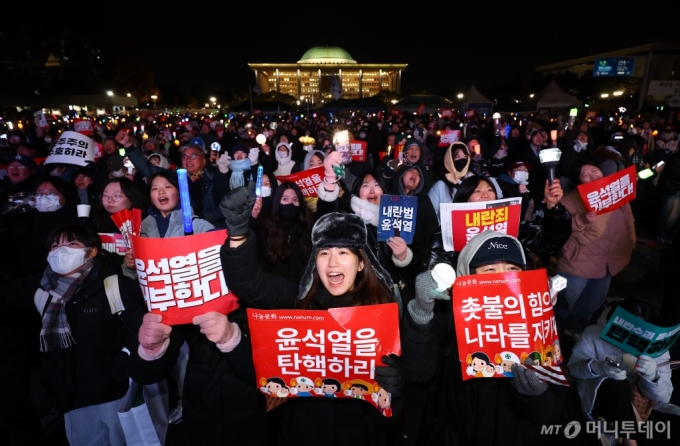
204	47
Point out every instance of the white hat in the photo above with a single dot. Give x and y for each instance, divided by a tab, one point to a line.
510	356
305	380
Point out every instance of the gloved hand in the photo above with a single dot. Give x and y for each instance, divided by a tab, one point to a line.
254	156
236	207
646	367
526	381
421	307
389	376
333	159
602	368
223	163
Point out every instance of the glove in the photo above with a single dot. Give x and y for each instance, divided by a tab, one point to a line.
223	163
421	307
603	368
389	376
236	207
526	381
254	156
646	367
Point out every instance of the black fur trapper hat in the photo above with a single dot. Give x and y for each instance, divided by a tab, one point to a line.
338	230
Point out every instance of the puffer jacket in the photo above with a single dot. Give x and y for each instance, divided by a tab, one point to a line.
595	248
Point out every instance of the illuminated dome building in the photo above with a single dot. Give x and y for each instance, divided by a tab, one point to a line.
310	78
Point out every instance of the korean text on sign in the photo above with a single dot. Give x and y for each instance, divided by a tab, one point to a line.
358	149
397	217
182	277
304	353
308	180
502	319
71	148
609	193
463	221
637	337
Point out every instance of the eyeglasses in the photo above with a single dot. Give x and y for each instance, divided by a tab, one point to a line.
115	198
49	195
193	156
15	167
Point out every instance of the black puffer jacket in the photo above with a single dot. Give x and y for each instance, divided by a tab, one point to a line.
94	369
304	421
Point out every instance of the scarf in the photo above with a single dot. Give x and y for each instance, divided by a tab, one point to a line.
453	175
55	331
196	175
237	167
366	210
579	146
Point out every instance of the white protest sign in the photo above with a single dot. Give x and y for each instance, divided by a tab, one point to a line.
41	120
71	148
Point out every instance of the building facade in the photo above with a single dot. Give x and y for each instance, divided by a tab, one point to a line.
310	79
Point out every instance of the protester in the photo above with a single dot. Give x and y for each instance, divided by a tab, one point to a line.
342	271
84	345
478	411
119	194
616	392
600	247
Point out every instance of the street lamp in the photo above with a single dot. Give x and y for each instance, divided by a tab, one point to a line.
531	95
604	95
460	96
129	95
109	93
154	97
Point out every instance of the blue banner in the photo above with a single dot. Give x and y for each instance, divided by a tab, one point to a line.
397	217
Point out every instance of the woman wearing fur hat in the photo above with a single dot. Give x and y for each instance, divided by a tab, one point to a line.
402	262
478	411
342	271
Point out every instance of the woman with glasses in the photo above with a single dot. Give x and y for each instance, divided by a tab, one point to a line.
119	194
24	233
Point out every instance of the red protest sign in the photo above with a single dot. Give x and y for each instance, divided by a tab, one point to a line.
181	277
327	354
114	243
358	150
502	319
467	222
399	150
446	113
609	193
307	180
448	137
83	126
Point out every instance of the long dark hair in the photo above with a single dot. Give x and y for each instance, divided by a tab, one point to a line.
100	218
368	289
468	186
75	233
276	239
360	180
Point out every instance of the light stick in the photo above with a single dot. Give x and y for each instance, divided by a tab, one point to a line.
185	202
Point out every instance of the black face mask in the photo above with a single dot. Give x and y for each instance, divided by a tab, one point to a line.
289	211
460	164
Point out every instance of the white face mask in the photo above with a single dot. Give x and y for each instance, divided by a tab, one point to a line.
118	173
65	259
521	176
48	140
266	191
44	203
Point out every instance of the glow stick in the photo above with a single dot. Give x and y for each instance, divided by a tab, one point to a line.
185	202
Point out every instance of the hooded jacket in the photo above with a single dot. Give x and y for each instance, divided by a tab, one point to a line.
590	348
479	412
285	161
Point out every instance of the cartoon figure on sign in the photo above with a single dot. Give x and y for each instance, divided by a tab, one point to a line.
479	365
548	355
327	387
557	353
302	386
275	387
357	388
533	358
383	400
505	360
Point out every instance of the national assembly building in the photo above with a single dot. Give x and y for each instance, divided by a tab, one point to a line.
311	77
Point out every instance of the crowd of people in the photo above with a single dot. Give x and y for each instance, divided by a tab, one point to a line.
289	250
